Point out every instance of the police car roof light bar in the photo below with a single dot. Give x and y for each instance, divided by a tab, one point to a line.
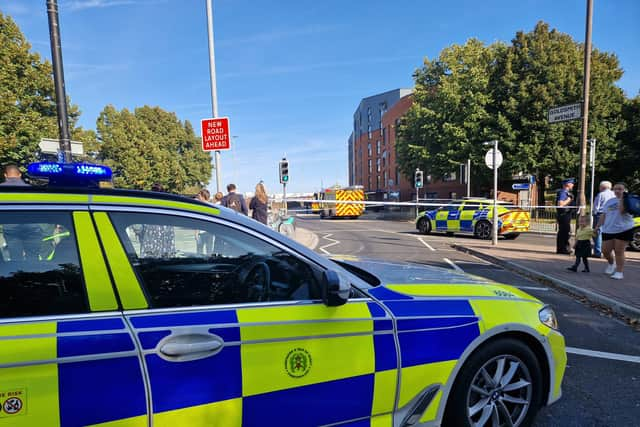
70	174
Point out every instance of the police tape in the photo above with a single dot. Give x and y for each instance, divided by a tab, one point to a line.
488	203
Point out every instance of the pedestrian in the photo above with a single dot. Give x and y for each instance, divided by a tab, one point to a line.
259	204
234	200
617	231
204	239
564	199
584	233
13	176
217	199
603	196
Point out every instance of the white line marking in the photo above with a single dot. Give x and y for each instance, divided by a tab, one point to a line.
604	355
531	288
426	244
334	242
453	264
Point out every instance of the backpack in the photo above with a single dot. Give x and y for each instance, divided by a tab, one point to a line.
632	204
233	202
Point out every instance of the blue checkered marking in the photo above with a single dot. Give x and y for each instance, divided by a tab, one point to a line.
176	385
441	225
385	294
453	215
466	225
417	308
376	310
481	214
418	348
80	345
114	324
211	317
98	391
432	323
312	405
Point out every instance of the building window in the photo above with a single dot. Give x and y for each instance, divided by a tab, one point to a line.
377	182
369	131
378	147
378	164
369	149
384	159
369	182
386	179
384	136
395	129
397	176
369	165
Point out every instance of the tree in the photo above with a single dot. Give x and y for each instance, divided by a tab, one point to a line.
627	155
27	99
474	93
151	146
452	112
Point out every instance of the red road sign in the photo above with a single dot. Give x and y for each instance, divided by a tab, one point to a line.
215	134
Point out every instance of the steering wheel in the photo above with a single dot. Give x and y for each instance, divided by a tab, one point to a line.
255	280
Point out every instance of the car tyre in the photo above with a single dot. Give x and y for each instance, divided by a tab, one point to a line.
634	245
424	226
483	230
476	398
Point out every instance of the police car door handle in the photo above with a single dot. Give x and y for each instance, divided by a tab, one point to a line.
183	345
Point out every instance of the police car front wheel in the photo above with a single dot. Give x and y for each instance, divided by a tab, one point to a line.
635	242
483	230
500	384
424	226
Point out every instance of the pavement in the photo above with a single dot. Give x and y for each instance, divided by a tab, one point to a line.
535	257
601	386
306	237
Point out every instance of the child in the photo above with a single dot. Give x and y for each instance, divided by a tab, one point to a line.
583	244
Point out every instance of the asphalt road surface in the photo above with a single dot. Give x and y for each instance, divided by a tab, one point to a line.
598	389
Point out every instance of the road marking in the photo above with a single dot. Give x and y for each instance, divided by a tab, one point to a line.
334	242
603	355
426	244
453	264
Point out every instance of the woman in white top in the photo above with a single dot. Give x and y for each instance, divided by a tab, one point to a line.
617	231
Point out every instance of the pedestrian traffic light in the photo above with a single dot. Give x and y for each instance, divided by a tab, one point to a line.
419	178
284	171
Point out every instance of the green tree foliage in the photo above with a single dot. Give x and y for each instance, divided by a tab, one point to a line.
27	99
474	93
150	146
627	155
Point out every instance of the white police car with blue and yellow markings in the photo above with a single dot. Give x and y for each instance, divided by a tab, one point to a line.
160	310
474	216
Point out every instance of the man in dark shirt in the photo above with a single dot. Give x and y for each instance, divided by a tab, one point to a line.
564	199
234	200
13	176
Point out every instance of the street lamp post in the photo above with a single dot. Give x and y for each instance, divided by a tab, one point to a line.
214	93
585	109
494	226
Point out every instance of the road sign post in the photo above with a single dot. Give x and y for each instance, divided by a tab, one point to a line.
214	89
284	179
419	182
493	159
592	161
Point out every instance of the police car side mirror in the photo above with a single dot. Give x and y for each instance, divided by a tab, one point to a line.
335	291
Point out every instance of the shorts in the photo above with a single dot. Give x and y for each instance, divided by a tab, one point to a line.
626	236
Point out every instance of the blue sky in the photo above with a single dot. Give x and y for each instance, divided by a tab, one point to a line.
290	73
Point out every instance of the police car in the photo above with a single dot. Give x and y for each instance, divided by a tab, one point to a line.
128	308
635	243
474	216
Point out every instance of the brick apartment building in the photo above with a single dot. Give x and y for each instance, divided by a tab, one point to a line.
372	152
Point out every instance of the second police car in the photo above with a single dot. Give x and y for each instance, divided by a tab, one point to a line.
474	216
160	310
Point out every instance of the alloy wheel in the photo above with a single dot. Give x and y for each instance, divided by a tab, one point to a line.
501	393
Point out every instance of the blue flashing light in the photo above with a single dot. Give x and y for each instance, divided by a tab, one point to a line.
70	174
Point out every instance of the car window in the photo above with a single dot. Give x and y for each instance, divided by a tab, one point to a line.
39	268
472	206
451	207
186	262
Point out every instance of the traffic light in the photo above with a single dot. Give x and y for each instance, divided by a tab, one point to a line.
419	179
284	171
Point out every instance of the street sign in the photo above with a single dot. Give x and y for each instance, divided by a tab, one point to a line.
215	134
488	158
565	113
520	186
52	146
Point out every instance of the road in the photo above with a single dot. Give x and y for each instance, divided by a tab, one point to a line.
597	391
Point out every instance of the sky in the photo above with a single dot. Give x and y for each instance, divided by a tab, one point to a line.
290	73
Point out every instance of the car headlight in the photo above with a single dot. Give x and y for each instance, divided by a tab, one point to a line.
548	317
